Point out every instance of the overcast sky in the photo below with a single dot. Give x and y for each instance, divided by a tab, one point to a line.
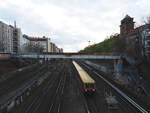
72	23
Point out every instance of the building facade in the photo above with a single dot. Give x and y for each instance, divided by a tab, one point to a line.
55	49
145	34
38	44
6	38
12	41
17	34
23	44
127	25
9	38
137	39
35	44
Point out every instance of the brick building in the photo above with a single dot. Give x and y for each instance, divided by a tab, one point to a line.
127	25
137	39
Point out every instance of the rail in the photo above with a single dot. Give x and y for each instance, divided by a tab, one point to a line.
142	110
123	95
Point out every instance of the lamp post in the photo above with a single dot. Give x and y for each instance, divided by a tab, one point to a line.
89	42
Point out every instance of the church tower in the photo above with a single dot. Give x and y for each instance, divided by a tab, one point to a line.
127	25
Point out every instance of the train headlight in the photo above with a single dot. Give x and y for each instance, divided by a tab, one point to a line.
93	89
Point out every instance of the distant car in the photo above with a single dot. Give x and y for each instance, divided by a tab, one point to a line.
89	85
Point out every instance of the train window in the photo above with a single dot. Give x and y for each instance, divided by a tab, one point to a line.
89	86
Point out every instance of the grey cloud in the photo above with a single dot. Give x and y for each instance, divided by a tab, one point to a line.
83	19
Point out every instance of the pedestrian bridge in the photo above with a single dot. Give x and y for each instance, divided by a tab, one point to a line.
68	56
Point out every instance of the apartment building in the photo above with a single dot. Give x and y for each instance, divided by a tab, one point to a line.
12	41
9	38
6	38
35	44
55	49
145	34
17	35
24	43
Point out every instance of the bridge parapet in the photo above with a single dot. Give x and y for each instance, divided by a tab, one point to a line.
68	56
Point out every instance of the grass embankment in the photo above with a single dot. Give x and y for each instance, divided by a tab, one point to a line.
106	46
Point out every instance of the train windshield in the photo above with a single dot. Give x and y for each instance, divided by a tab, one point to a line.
89	85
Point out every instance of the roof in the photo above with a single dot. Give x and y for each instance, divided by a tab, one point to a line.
135	30
127	16
83	74
35	39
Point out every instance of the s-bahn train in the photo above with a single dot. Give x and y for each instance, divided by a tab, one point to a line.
89	85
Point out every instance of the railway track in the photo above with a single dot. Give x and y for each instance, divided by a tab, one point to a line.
56	102
44	97
92	102
62	92
125	102
19	79
31	105
80	90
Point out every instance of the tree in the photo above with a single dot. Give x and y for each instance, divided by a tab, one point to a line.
147	20
109	45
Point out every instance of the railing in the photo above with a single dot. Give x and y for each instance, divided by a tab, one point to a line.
67	56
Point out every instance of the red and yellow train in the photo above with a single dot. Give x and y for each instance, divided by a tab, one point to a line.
89	84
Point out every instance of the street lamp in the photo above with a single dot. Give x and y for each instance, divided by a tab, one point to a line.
89	42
